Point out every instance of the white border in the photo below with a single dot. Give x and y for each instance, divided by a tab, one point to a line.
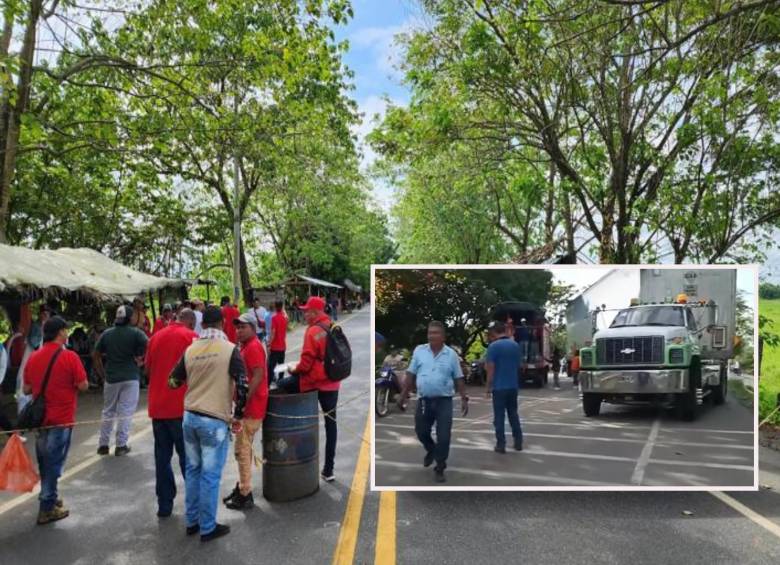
616	488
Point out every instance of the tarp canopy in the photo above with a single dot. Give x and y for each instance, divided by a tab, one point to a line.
56	273
352	286
312	281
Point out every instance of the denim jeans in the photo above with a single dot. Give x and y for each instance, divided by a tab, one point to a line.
436	410
51	448
505	402
523	352
206	446
168	435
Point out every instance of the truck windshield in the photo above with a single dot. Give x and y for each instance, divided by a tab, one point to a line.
649	316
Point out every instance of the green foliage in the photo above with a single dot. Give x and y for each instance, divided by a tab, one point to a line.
769	291
769	385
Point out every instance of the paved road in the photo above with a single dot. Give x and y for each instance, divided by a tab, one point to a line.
624	446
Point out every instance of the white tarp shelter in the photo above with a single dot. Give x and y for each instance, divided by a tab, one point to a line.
58	272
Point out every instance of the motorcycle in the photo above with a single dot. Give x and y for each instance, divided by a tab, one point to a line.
477	374
386	386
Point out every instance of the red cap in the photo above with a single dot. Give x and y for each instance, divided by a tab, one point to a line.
314	303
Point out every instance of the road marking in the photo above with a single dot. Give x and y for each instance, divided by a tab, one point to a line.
707	465
755	517
67	474
385	530
644	457
348	534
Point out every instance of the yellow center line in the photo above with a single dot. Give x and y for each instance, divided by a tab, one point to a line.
385	530
348	535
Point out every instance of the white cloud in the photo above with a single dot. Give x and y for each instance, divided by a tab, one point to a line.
381	42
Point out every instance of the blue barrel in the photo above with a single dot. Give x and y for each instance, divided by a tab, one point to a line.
291	447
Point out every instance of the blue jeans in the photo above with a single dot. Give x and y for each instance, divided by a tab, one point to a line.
168	435
523	351
206	447
51	448
436	410
505	402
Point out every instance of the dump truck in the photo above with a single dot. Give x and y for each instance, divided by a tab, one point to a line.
671	344
536	366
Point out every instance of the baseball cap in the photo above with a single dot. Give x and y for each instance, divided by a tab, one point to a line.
123	313
314	303
212	315
53	326
246	319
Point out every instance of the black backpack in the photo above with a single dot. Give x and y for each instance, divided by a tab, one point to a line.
338	353
33	414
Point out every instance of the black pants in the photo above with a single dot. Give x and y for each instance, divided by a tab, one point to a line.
274	358
435	411
168	435
328	400
5	423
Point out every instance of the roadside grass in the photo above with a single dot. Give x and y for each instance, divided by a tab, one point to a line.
743	394
769	384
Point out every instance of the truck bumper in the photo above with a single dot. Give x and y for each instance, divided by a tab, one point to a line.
617	381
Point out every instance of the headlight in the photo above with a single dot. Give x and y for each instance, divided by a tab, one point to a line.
676	356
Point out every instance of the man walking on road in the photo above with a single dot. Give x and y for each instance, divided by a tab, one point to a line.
166	405
310	371
277	339
124	346
212	368
502	365
66	376
253	354
435	369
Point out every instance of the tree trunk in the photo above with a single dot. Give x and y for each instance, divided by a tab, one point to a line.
10	134
243	268
549	227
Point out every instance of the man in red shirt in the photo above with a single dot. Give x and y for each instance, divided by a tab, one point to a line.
66	377
166	405
253	354
229	313
166	319
311	373
277	338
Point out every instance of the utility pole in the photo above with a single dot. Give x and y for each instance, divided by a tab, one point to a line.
236	221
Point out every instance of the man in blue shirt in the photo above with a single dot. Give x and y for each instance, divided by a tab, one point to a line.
435	369
502	365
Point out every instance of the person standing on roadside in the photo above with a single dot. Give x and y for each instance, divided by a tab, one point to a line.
253	354
213	371
198	306
435	370
166	405
229	313
310	373
66	377
124	346
502	362
277	340
165	319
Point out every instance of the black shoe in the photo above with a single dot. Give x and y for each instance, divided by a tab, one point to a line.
428	461
499	449
439	475
328	476
192	530
102	450
518	447
232	495
164	514
241	502
218	532
123	450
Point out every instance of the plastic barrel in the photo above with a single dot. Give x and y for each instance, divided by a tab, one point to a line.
291	447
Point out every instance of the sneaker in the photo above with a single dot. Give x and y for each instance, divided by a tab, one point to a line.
102	450
328	476
232	495
241	502
518	447
164	513
56	513
439	475
123	450
192	530
499	449
428	461
218	532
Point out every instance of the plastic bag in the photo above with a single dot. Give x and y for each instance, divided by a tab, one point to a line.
17	472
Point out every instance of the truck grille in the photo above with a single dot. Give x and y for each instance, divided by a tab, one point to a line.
617	350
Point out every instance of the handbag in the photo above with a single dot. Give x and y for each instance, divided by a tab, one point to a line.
33	414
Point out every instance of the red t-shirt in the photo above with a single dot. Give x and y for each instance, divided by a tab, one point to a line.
230	313
160	324
279	327
162	353
61	391
253	354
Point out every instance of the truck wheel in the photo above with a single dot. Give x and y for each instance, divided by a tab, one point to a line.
719	391
591	404
687	407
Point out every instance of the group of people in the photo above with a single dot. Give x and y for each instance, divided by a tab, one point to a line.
208	369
